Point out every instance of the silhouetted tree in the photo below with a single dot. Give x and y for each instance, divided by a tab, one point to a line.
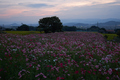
0	28
31	28
118	33
116	30
102	30
9	29
23	27
50	24
93	28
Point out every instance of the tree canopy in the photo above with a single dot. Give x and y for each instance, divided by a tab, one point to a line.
23	27
50	24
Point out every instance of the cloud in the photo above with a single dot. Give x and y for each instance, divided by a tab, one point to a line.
5	6
115	3
60	8
94	11
35	5
38	5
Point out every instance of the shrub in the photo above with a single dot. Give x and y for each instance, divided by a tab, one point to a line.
106	36
118	33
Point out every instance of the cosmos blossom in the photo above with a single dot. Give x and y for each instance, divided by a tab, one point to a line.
57	56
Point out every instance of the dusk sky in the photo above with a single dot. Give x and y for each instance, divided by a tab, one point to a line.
30	11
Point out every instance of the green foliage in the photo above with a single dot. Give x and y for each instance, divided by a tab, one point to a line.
118	33
110	36
23	32
50	24
9	29
106	36
93	28
23	27
2	32
102	30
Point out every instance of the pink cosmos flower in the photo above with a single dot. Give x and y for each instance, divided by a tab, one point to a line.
30	65
68	74
0	59
89	72
107	78
27	59
37	68
1	69
95	70
20	75
97	66
61	64
10	58
59	78
76	72
5	53
110	71
38	65
40	74
93	73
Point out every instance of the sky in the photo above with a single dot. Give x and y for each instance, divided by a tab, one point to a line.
30	11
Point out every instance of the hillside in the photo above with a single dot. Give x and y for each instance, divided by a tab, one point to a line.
106	25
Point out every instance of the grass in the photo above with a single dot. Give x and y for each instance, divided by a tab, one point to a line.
110	36
23	32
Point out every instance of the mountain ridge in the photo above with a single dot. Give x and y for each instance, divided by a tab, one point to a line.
108	24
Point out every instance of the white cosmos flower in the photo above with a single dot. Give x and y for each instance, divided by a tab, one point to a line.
14	49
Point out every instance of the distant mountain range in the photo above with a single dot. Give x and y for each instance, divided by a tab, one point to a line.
80	23
17	25
89	21
107	25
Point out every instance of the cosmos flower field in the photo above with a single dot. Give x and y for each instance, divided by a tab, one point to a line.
59	56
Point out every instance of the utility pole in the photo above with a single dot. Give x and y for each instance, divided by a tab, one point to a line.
97	24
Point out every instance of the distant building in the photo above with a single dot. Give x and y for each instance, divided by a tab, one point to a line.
110	31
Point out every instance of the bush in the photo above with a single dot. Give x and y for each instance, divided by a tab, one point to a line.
118	33
2	32
106	36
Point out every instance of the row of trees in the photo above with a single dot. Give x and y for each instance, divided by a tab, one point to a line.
97	29
25	27
69	28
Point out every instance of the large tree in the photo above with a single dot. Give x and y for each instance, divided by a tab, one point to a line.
50	24
23	27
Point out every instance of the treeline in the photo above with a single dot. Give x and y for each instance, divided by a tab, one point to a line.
69	28
25	27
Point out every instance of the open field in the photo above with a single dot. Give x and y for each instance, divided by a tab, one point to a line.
23	32
59	56
110	36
